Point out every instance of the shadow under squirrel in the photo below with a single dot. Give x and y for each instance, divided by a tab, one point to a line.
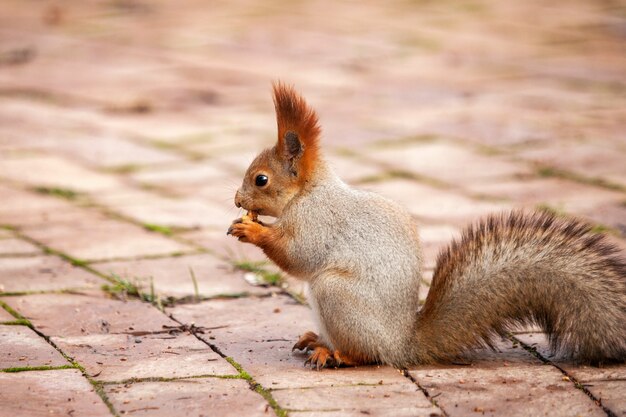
360	255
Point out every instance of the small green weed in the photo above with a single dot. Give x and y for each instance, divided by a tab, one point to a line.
164	230
196	292
36	368
123	289
65	193
267	277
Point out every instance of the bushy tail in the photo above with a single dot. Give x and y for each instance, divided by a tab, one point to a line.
518	269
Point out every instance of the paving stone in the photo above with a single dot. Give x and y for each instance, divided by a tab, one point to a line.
12	247
22	347
611	215
232	140
557	193
43	273
225	247
432	204
5	315
172	276
584	373
453	164
76	134
108	150
607	383
610	394
66	315
401	412
259	334
351	170
389	400
149	208
49	393
512	390
53	171
490	123
239	162
94	236
189	174
118	88
118	357
199	397
597	159
495	381
161	127
233	127
22	208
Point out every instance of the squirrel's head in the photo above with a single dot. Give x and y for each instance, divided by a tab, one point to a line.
277	174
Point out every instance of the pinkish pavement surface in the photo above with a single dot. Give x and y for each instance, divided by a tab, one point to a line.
126	126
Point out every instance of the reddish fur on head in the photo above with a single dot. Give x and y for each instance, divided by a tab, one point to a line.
294	116
290	164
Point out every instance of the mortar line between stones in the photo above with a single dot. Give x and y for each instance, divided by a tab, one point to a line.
76	291
533	351
432	400
490	151
17	369
97	386
172	379
19	255
148	257
539	170
254	385
155	256
88	267
88	203
50	251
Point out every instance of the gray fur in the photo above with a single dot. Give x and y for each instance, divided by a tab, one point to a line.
360	254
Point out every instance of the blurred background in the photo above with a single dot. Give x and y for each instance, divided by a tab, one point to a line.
154	109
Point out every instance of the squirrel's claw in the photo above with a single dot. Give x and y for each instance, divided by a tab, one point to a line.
247	230
306	342
320	358
231	228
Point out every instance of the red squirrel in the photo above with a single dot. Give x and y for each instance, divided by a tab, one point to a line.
360	255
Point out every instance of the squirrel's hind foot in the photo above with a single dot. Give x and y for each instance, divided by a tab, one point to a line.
322	356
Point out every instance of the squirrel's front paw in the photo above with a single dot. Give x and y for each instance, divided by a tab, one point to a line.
246	230
307	341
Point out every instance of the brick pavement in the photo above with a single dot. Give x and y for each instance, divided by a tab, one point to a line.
125	127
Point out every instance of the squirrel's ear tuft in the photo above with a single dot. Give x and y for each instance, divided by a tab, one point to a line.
298	130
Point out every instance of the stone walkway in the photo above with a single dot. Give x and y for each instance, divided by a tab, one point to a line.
125	127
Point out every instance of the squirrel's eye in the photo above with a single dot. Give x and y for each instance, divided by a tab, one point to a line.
260	180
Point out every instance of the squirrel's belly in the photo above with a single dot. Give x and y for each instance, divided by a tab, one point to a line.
315	310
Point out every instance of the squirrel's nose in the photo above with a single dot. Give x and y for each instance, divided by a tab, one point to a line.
237	199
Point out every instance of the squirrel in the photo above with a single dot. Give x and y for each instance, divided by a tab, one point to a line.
360	255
